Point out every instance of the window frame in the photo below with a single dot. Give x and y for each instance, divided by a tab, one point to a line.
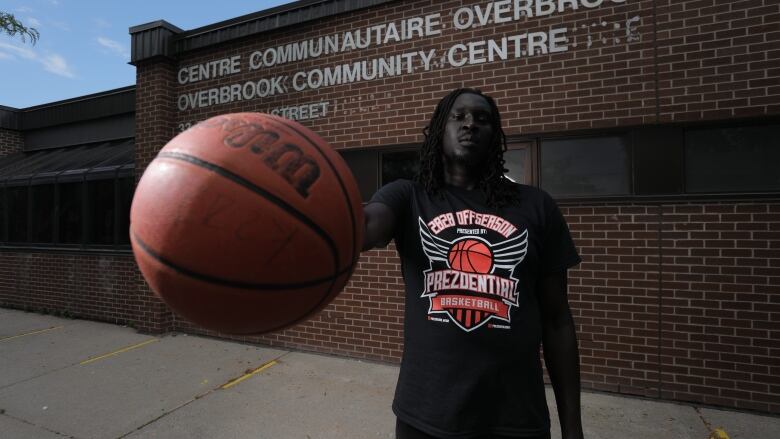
734	125
634	135
86	203
592	135
390	150
532	162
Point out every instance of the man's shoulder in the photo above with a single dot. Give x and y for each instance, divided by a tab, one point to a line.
395	194
404	182
400	185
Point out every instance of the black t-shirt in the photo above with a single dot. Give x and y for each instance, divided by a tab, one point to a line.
472	326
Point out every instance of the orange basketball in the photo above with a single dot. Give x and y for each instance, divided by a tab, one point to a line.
247	223
471	256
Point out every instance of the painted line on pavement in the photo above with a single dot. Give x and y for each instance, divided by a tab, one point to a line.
39	331
125	349
247	375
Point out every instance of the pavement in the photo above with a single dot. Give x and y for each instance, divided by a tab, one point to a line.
64	378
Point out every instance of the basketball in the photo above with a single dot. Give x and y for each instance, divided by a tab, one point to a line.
246	223
471	256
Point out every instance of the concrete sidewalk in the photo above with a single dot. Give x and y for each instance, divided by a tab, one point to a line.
62	378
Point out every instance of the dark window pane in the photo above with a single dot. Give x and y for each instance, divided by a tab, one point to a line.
586	166
516	162
100	196
17	214
732	159
397	165
126	190
364	166
70	219
42	213
3	210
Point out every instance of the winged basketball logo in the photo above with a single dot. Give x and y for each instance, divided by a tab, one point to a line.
471	280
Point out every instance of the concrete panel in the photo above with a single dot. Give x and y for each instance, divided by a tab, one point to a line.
171	389
116	395
613	417
743	425
303	396
16	429
33	355
13	323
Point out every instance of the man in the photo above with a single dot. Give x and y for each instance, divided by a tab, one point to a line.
484	261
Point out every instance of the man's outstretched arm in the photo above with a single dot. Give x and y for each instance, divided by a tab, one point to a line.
379	227
560	352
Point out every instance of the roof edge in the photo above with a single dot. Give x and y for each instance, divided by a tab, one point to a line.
88	97
266	13
155	24
10	118
160	38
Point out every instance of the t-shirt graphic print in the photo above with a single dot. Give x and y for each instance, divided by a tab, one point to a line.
470	280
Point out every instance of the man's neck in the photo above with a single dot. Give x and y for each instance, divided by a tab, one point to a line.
460	175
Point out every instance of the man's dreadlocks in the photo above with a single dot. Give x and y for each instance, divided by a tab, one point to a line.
431	173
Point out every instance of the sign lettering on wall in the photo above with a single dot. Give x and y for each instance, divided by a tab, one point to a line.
458	54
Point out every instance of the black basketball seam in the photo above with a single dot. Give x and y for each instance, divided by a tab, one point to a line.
461	252
308	313
260	191
341	184
355	254
284	206
466	254
228	282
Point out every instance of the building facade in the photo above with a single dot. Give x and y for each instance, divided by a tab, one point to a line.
652	122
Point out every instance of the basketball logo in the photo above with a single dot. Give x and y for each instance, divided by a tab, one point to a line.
471	256
472	280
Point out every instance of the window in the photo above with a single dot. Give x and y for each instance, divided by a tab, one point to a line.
3	209
100	214
70	216
61	213
42	213
742	159
401	164
68	197
672	160
588	166
519	163
17	213
363	164
126	191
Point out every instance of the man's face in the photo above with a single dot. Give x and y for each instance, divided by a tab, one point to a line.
468	135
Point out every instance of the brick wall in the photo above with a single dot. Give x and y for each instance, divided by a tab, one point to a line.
364	321
693	317
683	60
609	84
98	287
11	141
154	107
718	59
720	304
